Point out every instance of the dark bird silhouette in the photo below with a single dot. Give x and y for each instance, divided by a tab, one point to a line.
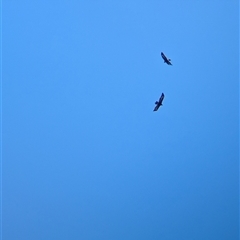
166	60
159	103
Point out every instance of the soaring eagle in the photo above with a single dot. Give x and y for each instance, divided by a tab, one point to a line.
166	60
159	103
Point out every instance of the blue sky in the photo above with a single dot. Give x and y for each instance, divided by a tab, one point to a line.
83	154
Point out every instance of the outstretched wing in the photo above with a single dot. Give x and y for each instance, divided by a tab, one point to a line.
164	57
168	62
156	107
161	98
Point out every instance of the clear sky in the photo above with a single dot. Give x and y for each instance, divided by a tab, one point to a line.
84	156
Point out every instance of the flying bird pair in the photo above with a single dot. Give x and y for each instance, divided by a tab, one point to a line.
159	102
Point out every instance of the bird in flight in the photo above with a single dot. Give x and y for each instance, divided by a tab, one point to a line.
166	60
159	102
